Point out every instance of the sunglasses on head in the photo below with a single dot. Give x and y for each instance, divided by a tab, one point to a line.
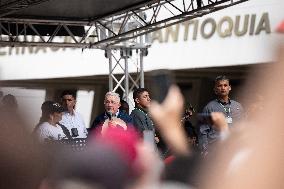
56	104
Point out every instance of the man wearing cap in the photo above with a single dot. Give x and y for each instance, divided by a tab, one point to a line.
71	119
48	127
232	110
112	117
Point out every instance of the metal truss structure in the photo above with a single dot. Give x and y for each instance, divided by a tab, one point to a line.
120	61
123	35
105	32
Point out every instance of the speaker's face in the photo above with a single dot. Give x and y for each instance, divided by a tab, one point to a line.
111	104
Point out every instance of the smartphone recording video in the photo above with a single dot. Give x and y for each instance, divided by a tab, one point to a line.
160	82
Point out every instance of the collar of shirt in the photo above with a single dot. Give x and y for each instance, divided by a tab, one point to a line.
224	103
116	114
70	114
141	109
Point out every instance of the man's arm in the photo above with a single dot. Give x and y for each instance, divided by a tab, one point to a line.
207	109
203	131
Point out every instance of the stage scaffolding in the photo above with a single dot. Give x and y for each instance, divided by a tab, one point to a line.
122	34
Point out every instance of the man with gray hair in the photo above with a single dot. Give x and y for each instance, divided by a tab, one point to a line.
112	117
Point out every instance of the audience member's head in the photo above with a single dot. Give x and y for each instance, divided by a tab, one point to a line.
184	169
22	161
9	102
99	166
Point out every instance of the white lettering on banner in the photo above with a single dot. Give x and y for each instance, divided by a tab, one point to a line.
224	28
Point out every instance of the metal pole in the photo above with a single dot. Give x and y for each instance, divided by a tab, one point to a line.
126	87
141	69
110	81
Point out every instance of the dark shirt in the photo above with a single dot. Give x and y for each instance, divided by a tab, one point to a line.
141	120
100	119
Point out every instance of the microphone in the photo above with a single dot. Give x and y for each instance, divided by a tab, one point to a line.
110	115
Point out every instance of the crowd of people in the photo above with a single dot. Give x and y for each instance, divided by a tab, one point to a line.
154	146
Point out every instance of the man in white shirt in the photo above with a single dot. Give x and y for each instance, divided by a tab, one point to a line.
70	118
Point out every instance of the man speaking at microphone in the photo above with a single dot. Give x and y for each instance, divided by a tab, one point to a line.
112	117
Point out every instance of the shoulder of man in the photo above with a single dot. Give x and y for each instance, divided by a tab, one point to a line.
136	113
125	117
236	103
43	130
100	116
43	126
210	106
80	118
77	114
98	120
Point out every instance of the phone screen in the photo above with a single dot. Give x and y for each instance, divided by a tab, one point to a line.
160	82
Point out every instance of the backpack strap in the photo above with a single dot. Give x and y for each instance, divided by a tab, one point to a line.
65	131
